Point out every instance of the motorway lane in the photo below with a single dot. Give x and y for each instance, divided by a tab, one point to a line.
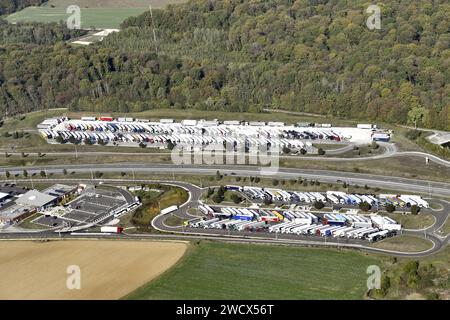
387	182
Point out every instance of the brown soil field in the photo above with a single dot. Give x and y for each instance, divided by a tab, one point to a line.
108	269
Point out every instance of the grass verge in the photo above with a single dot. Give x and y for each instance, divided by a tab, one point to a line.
404	243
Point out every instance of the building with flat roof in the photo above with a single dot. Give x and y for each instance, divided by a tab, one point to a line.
37	199
17	203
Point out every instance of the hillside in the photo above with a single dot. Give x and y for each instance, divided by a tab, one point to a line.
10	6
304	55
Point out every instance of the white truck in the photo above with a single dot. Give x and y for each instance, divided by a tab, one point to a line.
169	209
107	229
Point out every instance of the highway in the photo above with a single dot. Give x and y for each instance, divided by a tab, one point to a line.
386	182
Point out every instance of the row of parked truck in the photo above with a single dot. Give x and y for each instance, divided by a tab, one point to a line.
334	197
231	224
244	213
301	222
312	135
325	229
189	132
163	140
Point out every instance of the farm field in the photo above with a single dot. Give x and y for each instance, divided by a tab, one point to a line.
112	3
109	269
103	14
100	18
235	271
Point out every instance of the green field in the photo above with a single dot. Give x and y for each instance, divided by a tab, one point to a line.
111	3
235	271
102	14
90	17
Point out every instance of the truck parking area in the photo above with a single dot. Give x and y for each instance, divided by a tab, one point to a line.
338	198
293	214
302	222
197	134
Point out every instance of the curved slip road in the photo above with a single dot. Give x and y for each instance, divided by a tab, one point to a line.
390	151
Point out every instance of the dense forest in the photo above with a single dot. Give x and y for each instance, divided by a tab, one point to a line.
302	55
35	33
10	6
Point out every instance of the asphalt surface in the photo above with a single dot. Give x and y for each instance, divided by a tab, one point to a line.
386	182
390	150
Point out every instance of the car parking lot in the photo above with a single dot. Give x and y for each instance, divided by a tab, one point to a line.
93	205
51	221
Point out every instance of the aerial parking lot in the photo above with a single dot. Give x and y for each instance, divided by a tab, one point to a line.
198	134
303	224
282	149
334	218
294	213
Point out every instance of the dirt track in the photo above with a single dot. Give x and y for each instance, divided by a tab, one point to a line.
109	269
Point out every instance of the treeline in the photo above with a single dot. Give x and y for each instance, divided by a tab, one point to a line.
304	55
10	6
35	33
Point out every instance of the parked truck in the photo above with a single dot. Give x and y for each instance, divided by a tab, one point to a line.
107	229
169	209
365	126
